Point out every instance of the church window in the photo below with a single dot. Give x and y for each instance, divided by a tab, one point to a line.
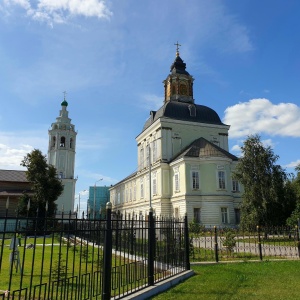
134	192
224	215
53	141
176	212
142	158
154	185
148	155
192	110
237	213
142	188
176	179
62	141
154	150
235	186
71	143
195	180
183	89
197	212
173	90
221	179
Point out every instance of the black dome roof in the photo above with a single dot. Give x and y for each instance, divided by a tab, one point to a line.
185	112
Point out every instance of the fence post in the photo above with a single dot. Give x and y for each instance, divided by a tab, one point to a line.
259	243
107	249
216	245
151	247
187	243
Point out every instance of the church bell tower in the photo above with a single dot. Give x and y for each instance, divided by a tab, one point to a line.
61	154
179	83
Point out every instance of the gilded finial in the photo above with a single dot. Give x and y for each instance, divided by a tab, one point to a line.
177	48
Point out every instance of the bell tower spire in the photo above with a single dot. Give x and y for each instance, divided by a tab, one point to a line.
179	83
61	154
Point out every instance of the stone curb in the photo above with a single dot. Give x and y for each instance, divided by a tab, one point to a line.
160	286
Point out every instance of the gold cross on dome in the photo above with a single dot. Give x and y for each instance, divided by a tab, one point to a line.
65	93
177	48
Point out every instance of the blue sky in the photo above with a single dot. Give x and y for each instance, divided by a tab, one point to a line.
112	56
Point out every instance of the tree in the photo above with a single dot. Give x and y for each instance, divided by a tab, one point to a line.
46	187
267	199
295	185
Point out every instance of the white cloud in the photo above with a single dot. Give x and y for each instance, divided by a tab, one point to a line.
262	116
293	164
236	148
22	3
58	11
15	145
10	158
151	102
268	143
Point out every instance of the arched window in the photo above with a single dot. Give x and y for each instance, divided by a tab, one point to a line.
62	141
53	141
71	143
173	90
61	175
192	110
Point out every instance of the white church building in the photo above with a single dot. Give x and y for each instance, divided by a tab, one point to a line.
184	165
61	154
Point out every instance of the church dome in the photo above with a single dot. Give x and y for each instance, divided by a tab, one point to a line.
185	112
64	103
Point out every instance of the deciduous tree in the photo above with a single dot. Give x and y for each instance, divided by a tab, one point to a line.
295	185
46	187
267	199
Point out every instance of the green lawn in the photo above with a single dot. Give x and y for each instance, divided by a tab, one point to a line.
248	280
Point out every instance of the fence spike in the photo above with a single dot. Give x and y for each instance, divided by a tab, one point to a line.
7	203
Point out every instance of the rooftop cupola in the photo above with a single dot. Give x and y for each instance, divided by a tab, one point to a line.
64	103
179	83
178	66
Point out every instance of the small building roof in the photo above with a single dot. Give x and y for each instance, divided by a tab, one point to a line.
13	176
203	148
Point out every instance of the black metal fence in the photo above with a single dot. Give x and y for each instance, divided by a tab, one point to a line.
71	258
219	243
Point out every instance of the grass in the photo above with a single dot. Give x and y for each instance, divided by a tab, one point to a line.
262	280
45	262
33	264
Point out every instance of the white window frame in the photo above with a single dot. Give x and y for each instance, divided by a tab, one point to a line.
224	215
142	188
142	158
154	151
148	155
197	219
130	194
176	182
195	179
221	180
235	185
134	192
176	212
154	184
